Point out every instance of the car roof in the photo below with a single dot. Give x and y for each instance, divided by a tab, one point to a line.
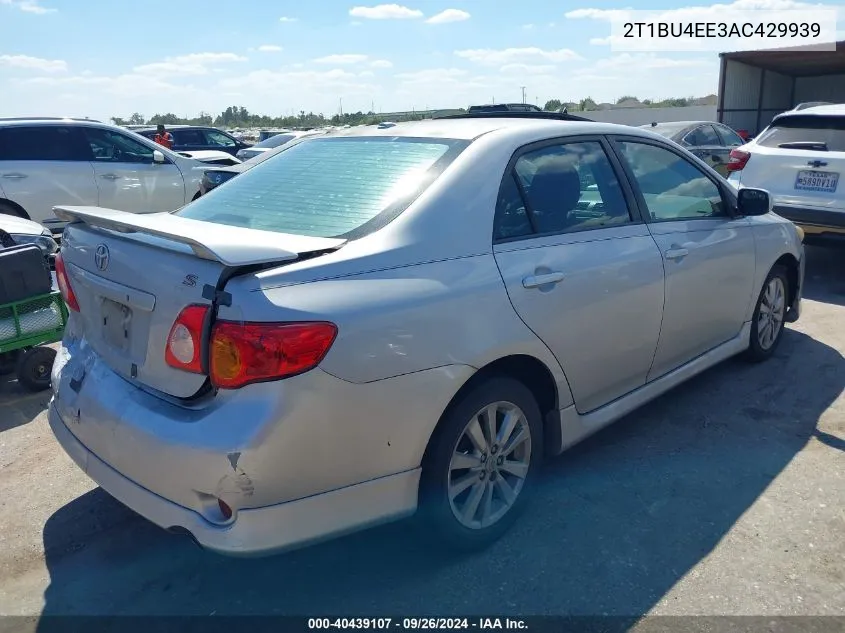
48	120
833	109
467	128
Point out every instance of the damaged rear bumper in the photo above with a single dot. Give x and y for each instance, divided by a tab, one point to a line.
256	531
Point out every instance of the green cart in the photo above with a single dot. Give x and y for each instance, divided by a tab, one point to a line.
25	328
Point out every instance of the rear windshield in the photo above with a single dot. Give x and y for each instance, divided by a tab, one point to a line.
829	130
329	187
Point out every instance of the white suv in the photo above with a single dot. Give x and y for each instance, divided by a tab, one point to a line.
49	162
799	158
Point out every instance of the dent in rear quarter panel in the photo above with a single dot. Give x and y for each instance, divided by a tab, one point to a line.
773	237
409	319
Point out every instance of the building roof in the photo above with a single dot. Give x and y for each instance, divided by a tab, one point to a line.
800	61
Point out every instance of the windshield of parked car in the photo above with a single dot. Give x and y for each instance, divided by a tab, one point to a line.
275	141
329	187
823	130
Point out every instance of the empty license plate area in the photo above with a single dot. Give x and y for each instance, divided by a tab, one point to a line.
117	324
823	181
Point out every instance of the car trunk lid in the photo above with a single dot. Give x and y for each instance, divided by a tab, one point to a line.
133	274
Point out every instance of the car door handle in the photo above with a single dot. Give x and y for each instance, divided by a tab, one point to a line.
676	253
109	176
535	281
14	176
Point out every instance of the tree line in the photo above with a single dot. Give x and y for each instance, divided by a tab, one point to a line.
240	117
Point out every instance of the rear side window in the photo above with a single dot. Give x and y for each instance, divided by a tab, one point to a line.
329	187
828	132
43	142
188	137
702	135
729	137
560	189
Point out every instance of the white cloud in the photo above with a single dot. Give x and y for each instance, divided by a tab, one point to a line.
528	27
527	69
187	65
449	15
269	48
367	73
345	59
33	63
385	12
381	63
285	18
628	63
714	10
28	6
493	57
433	76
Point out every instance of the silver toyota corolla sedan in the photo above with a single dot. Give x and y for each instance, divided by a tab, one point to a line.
383	322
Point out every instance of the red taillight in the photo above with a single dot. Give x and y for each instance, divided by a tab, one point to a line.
738	160
184	343
243	353
64	284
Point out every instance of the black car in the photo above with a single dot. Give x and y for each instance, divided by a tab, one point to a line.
191	138
711	142
504	107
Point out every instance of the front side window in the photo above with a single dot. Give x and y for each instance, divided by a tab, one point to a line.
673	188
109	146
41	142
218	139
560	189
729	137
329	187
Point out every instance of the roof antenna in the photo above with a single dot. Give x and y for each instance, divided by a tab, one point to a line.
654	124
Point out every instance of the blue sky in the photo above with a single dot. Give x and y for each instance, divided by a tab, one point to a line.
100	58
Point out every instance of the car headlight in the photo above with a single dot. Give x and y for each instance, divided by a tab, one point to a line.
44	241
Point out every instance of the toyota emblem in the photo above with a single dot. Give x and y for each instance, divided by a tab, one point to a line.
101	257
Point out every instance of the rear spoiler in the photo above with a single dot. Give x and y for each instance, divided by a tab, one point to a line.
230	245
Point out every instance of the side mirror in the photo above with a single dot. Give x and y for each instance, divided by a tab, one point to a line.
158	157
750	202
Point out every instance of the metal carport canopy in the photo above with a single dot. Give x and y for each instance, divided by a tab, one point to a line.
756	85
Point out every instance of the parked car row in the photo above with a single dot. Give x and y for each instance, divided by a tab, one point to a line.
45	162
402	319
799	159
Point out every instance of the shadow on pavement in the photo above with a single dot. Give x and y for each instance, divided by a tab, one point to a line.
823	279
616	523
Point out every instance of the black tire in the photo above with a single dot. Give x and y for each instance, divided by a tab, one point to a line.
8	362
34	368
757	351
436	513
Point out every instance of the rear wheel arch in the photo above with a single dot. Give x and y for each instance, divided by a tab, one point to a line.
534	375
7	207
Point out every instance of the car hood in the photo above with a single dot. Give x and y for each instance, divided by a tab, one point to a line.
20	226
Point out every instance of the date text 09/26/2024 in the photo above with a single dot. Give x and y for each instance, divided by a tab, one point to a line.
417	624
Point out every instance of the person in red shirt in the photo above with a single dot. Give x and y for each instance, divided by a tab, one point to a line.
163	137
